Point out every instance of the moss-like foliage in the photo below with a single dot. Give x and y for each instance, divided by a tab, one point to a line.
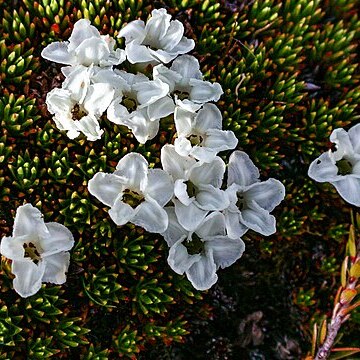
289	70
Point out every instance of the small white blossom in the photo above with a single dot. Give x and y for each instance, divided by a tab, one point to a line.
135	193
197	186
201	252
141	105
38	250
251	200
77	111
159	40
186	81
85	47
341	168
200	134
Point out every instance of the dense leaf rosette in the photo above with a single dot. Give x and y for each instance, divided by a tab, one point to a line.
341	168
251	200
201	252
38	250
135	193
160	40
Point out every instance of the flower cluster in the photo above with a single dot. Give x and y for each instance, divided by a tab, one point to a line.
201	218
341	168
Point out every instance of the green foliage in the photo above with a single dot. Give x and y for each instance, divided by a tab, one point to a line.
290	75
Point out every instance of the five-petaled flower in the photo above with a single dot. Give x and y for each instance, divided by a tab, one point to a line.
341	168
135	193
38	250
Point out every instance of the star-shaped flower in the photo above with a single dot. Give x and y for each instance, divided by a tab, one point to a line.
341	168
38	250
135	193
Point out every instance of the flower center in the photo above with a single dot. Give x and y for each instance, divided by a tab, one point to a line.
132	198
191	189
31	252
182	95
195	245
78	112
240	200
195	139
130	103
344	167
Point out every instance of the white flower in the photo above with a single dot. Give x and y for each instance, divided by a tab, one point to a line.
201	252
200	134
341	168
85	47
141	106
251	200
185	80
197	186
38	250
160	40
79	104
135	193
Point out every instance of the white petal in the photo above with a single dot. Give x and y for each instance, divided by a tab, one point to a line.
211	198
78	82
117	113
133	169
136	53
354	135
173	36
12	247
106	187
179	259
184	121
174	164
90	127
160	186
267	194
28	222
203	154
28	277
323	169
235	229
213	225
209	117
241	170
189	217
150	91
208	173
183	146
258	219
343	144
166	75
151	216
157	26
220	140
349	189
82	30
110	77
59	53
121	213
92	51
202	274
188	67
98	98
184	46
204	91
142	127
59	101
225	250
174	231
187	104
56	267
180	192
57	239
135	30
160	108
